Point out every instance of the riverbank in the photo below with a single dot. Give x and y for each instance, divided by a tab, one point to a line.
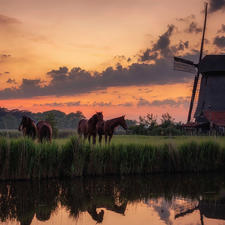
24	159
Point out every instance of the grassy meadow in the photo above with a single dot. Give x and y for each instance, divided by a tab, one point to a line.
154	140
21	158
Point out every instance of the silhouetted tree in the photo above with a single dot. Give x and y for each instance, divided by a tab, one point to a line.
50	117
167	120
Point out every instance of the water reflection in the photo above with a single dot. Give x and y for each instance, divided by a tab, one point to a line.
170	196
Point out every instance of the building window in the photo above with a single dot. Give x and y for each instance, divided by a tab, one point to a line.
203	105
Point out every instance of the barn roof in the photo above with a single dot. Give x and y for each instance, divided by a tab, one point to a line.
216	117
212	63
193	124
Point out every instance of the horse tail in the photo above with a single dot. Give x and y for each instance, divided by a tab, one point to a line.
34	131
79	127
44	130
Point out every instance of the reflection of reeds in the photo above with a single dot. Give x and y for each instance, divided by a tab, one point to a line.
22	200
24	159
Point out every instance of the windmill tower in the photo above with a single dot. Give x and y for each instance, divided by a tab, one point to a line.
208	95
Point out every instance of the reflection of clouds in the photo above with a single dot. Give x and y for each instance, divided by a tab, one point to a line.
167	210
162	207
163	213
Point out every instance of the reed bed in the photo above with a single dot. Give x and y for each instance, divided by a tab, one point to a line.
22	158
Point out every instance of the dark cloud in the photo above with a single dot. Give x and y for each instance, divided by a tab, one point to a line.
126	104
73	103
79	81
65	82
129	59
6	72
193	28
8	20
102	104
62	70
175	103
4	56
187	18
186	44
78	103
206	41
216	5
54	104
144	90
102	92
148	55
120	58
222	29
184	102
219	41
179	47
164	40
10	81
160	47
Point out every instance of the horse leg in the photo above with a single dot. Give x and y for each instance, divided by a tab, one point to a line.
100	139
105	139
94	139
89	138
80	135
110	137
85	137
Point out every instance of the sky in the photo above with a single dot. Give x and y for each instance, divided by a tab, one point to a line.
114	56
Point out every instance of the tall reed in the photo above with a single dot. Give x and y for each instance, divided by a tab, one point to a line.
24	159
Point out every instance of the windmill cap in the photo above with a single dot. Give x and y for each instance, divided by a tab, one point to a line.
212	63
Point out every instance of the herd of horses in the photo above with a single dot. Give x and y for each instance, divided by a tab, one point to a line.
86	127
43	129
97	126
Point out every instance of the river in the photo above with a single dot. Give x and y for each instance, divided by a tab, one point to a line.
180	198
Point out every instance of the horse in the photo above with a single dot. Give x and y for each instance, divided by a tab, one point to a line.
109	128
44	130
28	127
88	128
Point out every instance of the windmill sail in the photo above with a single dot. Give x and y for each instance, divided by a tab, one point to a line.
184	65
188	66
197	76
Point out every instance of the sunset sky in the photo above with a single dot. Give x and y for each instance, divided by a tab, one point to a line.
114	56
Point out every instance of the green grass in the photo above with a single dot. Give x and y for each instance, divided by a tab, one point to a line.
154	140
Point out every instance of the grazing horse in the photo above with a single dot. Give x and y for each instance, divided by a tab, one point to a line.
89	127
28	127
109	128
44	129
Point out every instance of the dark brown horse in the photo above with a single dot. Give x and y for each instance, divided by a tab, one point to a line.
109	128
44	130
88	128
28	127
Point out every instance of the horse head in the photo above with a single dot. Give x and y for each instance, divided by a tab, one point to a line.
123	123
23	122
100	118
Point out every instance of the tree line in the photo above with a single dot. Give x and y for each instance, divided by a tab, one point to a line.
148	125
145	125
10	119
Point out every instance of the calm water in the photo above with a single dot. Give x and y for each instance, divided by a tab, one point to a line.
153	199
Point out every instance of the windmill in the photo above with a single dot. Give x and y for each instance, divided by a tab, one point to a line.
189	66
207	106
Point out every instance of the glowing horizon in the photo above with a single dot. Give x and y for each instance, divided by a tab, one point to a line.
110	56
